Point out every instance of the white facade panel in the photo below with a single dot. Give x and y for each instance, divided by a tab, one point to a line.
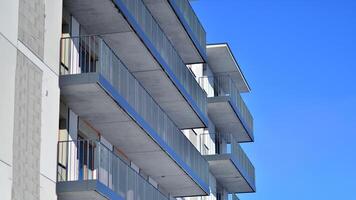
47	189
9	19
5	181
53	21
7	100
49	124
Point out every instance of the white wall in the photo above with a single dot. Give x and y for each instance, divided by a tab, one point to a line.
53	29
50	94
9	19
7	76
49	117
49	135
75	31
197	69
5	181
49	125
50	97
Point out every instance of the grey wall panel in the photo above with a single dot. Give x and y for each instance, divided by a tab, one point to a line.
32	25
27	130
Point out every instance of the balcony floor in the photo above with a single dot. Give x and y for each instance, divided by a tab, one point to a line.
136	51
226	119
227	173
95	101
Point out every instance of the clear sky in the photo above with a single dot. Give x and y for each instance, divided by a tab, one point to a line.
299	58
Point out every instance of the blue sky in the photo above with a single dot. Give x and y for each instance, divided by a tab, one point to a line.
299	58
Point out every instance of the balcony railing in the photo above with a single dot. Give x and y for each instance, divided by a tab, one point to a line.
161	43
213	197
192	20
224	85
215	144
94	56
84	160
234	197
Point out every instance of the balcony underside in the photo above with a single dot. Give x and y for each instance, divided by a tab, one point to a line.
136	51
85	190
227	173
222	61
226	119
95	101
172	21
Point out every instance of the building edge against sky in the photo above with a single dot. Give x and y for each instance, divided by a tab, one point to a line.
126	101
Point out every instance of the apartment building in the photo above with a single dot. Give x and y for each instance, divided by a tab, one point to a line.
119	99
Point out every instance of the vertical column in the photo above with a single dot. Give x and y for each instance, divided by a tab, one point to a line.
72	162
75	32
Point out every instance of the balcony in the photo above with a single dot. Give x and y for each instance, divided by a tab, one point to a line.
101	91
226	107
234	197
183	28
88	170
130	30
221	60
228	163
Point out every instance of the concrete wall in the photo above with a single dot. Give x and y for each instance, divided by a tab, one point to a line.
29	104
31	25
27	130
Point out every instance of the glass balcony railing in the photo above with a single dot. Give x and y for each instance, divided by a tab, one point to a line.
84	160
192	20
234	197
93	55
214	197
152	30
224	85
215	144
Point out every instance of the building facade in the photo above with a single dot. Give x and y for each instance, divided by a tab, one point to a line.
119	99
